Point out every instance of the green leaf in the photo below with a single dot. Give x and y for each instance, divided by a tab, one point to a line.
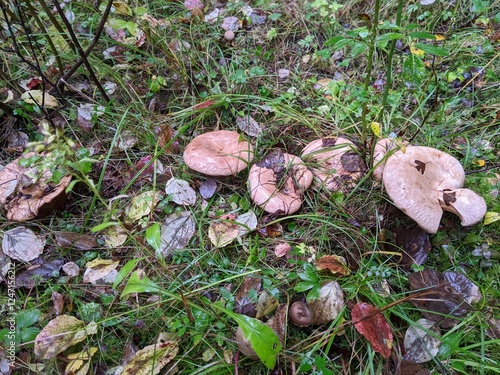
153	236
125	270
413	69
358	49
105	225
303	286
389	36
137	285
422	35
263	339
432	50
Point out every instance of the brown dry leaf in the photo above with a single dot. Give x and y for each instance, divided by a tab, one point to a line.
415	244
282	249
278	322
58	302
151	359
422	341
176	232
100	269
22	244
371	323
77	241
61	333
222	233
25	198
334	264
246	297
39	274
180	192
164	133
328	305
448	294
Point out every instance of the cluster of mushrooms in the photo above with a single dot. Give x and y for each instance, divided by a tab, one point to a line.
421	181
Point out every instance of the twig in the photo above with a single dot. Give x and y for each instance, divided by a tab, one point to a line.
92	44
81	52
494	166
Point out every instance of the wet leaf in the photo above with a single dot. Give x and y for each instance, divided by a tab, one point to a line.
422	341
142	205
151	359
328	305
265	305
61	333
87	113
126	140
39	274
224	231
41	98
180	192
248	125
22	244
99	270
208	188
447	295
334	264
192	4
246	297
73	240
415	245
176	232
371	323
71	269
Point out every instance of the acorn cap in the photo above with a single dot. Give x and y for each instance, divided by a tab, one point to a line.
218	153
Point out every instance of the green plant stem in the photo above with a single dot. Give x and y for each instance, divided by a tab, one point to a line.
56	24
388	73
364	105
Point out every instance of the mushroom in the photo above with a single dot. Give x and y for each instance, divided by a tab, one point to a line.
382	147
422	181
300	314
218	153
277	182
337	165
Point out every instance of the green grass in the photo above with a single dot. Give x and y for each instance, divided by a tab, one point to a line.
449	101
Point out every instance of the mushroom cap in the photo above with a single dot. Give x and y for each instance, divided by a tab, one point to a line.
218	153
466	204
337	165
414	180
277	182
382	147
300	314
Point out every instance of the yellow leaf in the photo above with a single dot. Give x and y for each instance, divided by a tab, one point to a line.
416	51
480	162
491	217
375	128
440	37
77	361
122	8
41	98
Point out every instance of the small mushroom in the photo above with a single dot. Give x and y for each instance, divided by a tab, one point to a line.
337	164
277	182
229	35
300	314
218	153
422	181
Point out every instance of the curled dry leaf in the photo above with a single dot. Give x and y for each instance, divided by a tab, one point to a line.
328	305
151	359
422	341
61	333
79	363
371	323
265	305
231	23
22	244
176	232
180	192
25	198
98	269
334	264
443	295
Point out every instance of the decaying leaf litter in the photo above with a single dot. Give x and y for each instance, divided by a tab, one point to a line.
284	253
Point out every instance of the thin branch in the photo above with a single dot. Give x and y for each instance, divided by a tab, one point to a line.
81	52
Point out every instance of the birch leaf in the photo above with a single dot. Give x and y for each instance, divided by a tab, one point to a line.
22	244
180	192
41	98
98	269
142	205
176	232
422	341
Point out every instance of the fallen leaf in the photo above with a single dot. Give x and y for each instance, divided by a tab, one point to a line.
176	232
491	217
278	322
230	23
248	223
371	323
283	73
180	192
224	231
98	269
334	264
246	297
208	188
126	140
79	363
248	125
61	333
164	133
87	114
443	296
22	244
142	205
114	236
328	305
122	8
415	245
203	105
41	98
71	269
282	249
151	359
73	240
58	302
265	305
192	4
422	341
39	274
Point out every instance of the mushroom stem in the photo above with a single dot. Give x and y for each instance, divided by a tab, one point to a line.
466	204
